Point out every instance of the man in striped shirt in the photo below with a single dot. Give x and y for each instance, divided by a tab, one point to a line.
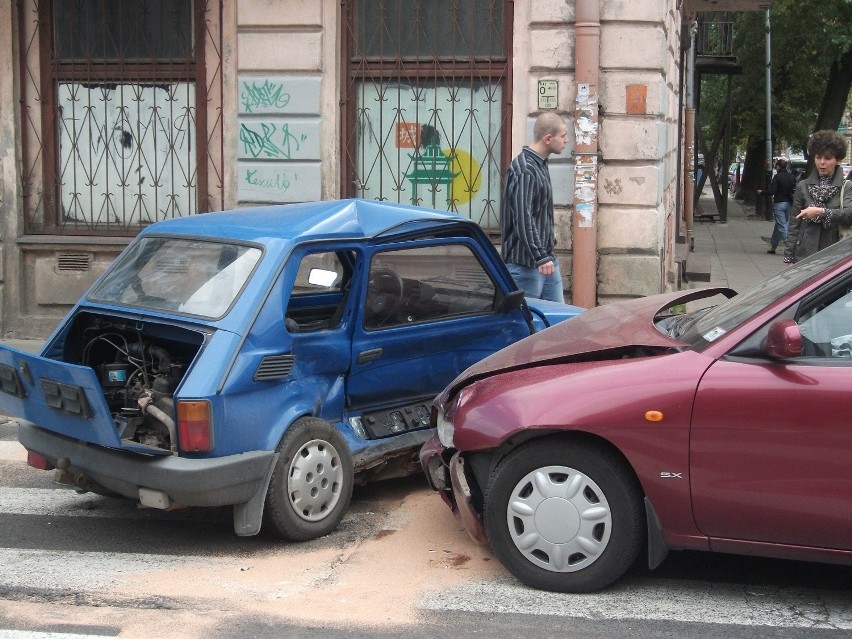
527	213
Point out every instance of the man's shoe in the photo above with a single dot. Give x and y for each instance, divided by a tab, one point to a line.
771	251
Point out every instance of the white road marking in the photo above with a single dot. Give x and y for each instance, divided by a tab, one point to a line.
32	634
62	502
634	598
661	600
78	571
12	451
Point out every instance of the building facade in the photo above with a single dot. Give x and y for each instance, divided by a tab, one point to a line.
117	114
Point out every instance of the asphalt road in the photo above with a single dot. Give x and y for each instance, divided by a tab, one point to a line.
398	566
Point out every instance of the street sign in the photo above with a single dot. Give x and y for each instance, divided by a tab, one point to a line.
547	94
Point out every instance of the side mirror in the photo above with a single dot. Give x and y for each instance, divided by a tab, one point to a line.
510	302
783	341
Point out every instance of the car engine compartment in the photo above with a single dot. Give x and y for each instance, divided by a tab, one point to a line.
139	366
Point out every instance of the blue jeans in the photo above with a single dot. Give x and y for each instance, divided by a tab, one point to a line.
545	287
779	232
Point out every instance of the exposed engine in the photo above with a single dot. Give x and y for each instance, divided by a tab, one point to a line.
138	378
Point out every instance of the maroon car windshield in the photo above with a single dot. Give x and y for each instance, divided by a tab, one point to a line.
708	325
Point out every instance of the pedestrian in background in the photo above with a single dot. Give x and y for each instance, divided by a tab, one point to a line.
781	188
821	204
526	222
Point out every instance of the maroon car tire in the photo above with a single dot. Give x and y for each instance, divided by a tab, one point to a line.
311	485
564	516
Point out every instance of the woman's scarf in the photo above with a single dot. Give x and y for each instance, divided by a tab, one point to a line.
823	191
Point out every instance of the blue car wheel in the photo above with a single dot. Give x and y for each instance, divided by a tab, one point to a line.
312	482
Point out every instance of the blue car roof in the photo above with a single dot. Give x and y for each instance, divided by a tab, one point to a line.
351	219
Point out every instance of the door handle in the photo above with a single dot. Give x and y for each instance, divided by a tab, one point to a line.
369	355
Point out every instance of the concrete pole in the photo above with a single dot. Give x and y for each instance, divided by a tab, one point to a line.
689	142
585	219
768	98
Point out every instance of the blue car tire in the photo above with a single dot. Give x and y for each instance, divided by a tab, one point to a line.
312	482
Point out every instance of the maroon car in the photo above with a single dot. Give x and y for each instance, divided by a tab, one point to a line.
629	428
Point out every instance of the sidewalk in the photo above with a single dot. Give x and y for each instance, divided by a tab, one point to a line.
738	256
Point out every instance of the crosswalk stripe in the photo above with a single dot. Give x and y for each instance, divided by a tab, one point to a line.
32	634
12	451
83	571
647	599
56	502
65	502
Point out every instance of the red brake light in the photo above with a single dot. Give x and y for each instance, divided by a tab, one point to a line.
37	460
195	426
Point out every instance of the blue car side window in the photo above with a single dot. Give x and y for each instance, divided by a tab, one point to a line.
320	291
426	284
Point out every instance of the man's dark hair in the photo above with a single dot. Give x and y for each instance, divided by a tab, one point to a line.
781	163
827	142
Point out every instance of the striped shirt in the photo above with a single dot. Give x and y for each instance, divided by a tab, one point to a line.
526	223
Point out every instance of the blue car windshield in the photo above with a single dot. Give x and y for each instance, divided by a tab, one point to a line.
198	277
708	325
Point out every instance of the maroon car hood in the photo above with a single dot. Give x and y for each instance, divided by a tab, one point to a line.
611	327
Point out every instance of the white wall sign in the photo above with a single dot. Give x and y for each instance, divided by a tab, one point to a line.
548	94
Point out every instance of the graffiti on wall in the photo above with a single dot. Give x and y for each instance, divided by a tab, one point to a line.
278	146
278	182
270	140
263	95
126	153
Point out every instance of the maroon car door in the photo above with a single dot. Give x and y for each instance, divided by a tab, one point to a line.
771	439
770	450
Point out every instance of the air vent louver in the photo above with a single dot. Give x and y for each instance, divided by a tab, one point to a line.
274	367
73	261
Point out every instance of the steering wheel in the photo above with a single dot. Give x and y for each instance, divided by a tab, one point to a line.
384	294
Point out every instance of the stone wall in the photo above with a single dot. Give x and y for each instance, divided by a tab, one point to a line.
282	98
283	134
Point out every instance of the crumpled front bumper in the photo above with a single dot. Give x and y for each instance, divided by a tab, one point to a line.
452	482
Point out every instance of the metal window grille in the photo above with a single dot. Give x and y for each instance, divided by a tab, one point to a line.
715	39
426	103
121	106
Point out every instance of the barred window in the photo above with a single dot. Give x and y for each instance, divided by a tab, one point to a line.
427	103
120	142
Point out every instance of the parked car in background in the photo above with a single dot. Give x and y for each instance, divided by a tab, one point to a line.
798	166
628	427
266	359
734	175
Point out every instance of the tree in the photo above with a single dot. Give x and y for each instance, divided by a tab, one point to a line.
811	78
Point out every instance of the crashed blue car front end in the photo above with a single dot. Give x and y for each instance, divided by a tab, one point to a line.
266	359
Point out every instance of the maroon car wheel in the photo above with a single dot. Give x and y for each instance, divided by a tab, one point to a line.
564	516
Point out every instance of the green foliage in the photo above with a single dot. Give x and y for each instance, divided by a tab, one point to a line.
807	37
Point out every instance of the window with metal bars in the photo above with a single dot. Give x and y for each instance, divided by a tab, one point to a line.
115	96
426	107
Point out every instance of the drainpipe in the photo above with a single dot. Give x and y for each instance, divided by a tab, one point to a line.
585	219
689	142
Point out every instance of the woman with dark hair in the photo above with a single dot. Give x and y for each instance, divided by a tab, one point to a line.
821	204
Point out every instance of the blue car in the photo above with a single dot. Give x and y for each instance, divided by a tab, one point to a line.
266	359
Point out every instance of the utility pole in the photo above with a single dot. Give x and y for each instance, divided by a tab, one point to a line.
767	211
